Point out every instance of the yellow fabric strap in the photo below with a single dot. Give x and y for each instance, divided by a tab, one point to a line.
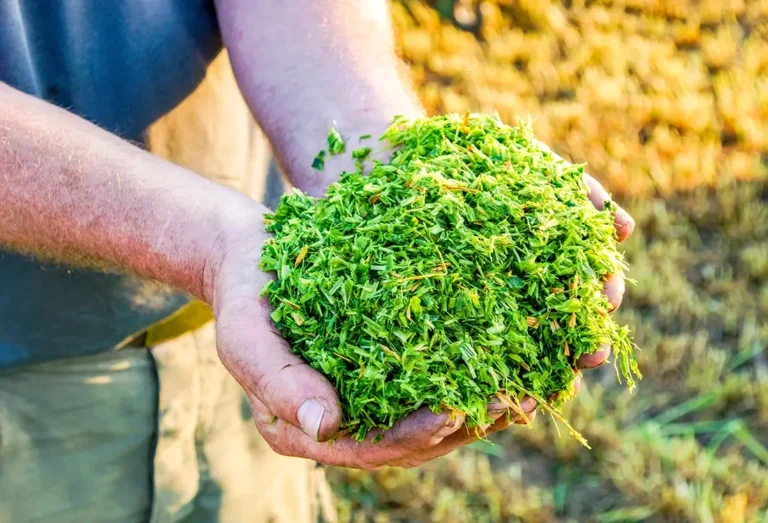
190	317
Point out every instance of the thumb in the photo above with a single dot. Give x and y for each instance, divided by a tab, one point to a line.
262	362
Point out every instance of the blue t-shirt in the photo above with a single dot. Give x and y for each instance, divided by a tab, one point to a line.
120	64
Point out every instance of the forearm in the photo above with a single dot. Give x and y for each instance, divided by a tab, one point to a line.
305	64
73	192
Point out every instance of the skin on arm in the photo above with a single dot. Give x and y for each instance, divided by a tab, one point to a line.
74	193
308	65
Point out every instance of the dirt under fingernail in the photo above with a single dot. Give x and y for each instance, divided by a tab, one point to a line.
497	407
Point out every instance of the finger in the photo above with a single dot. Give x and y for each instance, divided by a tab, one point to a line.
413	435
597	358
613	288
622	220
284	438
263	364
503	404
467	435
576	384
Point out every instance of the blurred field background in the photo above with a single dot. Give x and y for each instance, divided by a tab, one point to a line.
667	101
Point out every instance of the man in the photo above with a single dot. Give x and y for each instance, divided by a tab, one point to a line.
106	412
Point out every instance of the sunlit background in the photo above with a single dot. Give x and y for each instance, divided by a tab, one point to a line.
667	102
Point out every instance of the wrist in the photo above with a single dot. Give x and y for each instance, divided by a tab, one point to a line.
236	231
370	116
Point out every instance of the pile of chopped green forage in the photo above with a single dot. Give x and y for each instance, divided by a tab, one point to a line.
469	265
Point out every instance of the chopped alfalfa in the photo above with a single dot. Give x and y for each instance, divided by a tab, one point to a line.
469	265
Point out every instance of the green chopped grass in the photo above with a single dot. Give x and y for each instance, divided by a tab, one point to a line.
336	143
318	163
469	265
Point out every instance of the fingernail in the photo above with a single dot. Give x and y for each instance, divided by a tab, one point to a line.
596	359
626	218
497	407
500	404
528	404
625	224
310	415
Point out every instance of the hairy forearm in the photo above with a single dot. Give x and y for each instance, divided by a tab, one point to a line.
307	64
73	192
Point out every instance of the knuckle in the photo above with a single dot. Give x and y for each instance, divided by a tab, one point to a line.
404	439
263	385
266	429
264	422
366	463
355	462
363	460
397	437
279	441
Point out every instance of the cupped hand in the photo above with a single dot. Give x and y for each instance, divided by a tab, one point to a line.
297	410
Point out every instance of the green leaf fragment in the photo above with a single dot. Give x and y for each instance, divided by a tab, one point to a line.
336	143
319	162
361	153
